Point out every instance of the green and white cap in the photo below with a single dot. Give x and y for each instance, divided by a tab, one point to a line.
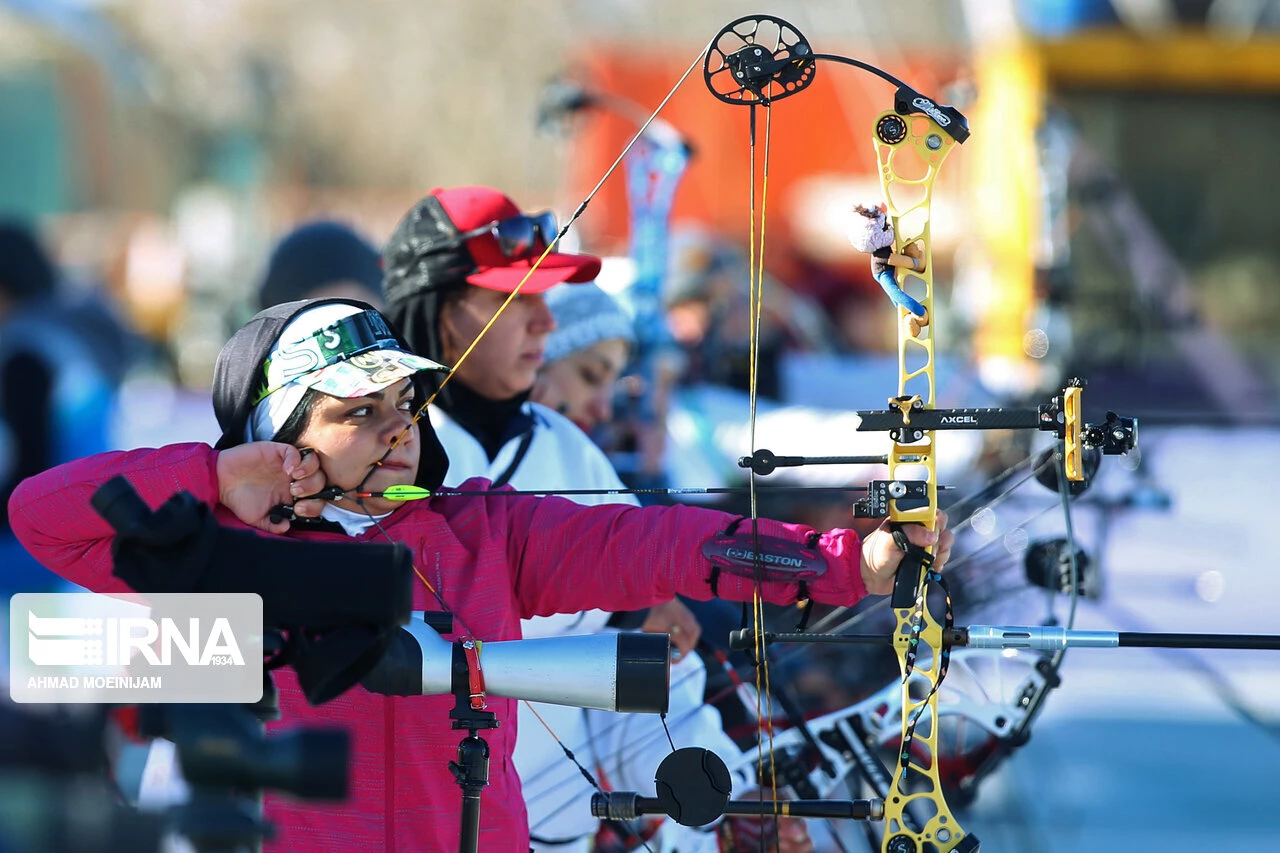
335	348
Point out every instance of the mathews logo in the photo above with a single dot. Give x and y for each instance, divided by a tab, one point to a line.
767	559
70	641
930	109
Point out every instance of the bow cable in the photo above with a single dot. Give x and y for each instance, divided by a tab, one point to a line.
755	285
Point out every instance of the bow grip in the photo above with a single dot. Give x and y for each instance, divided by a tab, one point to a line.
906	584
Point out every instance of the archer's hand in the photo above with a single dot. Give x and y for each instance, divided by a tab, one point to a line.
881	556
254	478
673	618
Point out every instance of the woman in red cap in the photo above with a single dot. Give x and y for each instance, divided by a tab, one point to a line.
452	262
448	268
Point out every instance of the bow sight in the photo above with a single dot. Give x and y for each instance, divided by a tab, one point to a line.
907	421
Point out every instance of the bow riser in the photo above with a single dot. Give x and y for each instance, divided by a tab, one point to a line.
910	151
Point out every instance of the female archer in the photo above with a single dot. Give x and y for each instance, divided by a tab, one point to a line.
330	377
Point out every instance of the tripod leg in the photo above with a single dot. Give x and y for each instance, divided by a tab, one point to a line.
471	770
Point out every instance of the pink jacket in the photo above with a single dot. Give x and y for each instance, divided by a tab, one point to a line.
494	561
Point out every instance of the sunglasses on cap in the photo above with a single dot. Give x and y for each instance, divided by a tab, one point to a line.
518	237
348	337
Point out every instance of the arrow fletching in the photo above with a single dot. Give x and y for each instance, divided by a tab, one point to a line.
403	493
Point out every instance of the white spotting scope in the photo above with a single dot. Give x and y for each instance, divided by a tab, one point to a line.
627	672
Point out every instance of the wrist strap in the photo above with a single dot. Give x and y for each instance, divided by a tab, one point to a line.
475	674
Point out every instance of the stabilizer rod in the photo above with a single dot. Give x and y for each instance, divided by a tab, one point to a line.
1051	639
1037	638
628	805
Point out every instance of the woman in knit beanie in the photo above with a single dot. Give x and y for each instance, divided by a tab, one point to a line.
585	354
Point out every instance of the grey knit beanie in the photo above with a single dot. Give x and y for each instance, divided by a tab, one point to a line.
585	315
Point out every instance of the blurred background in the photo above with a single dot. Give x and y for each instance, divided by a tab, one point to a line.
1108	219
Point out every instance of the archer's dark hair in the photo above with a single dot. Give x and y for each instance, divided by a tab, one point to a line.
291	430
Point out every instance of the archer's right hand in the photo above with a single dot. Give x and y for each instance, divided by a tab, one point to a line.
254	478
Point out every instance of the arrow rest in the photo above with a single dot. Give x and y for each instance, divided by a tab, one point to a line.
879	494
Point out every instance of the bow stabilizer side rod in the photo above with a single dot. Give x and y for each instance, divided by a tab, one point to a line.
1028	637
628	805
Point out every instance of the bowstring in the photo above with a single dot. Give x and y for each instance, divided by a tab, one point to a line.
764	696
755	375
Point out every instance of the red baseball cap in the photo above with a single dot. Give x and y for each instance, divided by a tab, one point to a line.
424	253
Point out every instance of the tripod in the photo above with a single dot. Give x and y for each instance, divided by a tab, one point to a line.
471	770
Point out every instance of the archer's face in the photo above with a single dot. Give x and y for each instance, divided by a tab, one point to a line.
580	385
350	435
506	360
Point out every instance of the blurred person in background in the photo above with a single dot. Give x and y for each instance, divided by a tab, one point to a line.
61	361
708	302
447	273
635	436
585	355
322	259
451	263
